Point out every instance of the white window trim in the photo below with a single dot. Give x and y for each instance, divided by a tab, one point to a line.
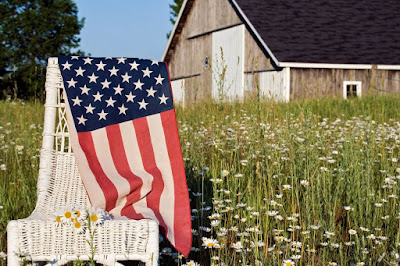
357	83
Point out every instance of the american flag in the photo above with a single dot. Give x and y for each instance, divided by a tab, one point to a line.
125	139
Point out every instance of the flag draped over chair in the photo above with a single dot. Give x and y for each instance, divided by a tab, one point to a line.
125	139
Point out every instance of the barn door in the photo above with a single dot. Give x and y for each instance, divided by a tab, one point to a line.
228	63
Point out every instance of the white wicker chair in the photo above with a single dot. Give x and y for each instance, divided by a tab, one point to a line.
59	185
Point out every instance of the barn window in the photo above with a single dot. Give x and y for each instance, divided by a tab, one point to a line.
206	63
351	89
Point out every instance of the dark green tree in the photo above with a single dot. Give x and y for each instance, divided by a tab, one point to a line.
30	32
175	8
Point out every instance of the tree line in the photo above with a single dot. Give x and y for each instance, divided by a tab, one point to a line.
31	32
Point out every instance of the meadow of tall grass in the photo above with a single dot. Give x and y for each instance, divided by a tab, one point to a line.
20	142
302	183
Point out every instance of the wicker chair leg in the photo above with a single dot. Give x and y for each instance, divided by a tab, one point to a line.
13	258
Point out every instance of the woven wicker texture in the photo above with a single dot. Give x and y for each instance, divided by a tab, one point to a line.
45	238
39	237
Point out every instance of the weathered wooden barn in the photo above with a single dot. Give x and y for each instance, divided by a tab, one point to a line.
286	50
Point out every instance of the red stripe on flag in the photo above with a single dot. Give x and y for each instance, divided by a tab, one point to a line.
109	190
183	222
150	166
121	164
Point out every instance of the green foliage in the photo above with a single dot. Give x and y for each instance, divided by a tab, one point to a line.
294	172
324	167
30	32
175	8
20	140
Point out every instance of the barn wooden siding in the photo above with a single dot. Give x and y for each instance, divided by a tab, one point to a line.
308	83
255	58
194	42
271	84
186	60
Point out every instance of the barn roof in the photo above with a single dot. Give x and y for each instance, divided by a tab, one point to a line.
327	31
318	31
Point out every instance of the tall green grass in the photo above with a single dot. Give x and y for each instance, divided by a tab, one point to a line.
20	141
312	182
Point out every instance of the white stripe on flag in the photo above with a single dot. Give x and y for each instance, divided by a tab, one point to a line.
106	161
92	187
167	200
136	164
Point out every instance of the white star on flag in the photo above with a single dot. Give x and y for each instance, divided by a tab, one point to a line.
88	61
122	109
102	115
163	99
151	92
126	77
89	108
77	101
93	78
130	97
118	90
71	83
110	102
142	104
121	60
105	84
67	66
159	79
97	97
79	72
81	120
100	66
134	65
154	63
85	90
147	72
138	84
74	57
113	71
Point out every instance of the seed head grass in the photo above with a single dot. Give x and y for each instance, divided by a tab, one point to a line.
297	182
310	182
21	126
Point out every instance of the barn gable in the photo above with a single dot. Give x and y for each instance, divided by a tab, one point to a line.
203	27
199	19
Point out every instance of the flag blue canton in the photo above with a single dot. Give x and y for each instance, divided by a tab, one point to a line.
107	91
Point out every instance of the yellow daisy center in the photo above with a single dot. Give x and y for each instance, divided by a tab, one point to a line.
94	218
210	244
67	214
58	219
78	213
78	225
